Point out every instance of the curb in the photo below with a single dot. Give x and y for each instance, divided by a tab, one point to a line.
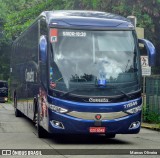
152	127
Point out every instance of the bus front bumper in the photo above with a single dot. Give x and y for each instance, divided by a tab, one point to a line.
3	99
63	123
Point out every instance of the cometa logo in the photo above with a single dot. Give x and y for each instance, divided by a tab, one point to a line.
98	117
98	100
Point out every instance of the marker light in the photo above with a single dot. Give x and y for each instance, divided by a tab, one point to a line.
134	110
135	125
57	109
57	124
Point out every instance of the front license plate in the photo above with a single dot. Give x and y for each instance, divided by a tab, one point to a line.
97	129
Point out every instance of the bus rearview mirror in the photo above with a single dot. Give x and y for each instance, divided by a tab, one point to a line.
151	51
43	49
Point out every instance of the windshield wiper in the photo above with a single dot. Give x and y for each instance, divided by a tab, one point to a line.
67	93
97	87
125	94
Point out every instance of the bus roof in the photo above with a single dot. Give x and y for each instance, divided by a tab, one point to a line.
90	19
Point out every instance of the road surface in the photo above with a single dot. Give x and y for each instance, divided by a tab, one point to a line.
20	133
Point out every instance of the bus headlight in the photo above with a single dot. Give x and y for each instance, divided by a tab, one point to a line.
57	109
134	110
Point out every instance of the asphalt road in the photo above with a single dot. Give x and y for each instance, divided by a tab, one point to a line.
20	133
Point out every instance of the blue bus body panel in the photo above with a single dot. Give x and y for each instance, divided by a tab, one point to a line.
91	23
91	107
86	19
80	125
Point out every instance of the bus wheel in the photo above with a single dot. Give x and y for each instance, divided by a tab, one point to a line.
110	135
17	112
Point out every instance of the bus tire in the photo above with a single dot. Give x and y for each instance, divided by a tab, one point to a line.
16	111
110	135
35	113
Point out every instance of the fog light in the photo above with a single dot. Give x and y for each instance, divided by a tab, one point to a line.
134	125
57	124
5	99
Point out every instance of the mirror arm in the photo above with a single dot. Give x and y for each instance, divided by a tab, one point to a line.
151	51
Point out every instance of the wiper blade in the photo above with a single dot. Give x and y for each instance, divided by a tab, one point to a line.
97	87
125	94
67	93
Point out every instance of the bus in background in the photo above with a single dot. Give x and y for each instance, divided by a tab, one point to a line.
79	72
3	91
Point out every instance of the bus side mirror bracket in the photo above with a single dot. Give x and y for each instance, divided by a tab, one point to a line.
43	49
151	51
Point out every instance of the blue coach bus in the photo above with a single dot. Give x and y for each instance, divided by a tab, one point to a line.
79	72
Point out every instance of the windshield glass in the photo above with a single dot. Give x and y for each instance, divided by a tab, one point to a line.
81	60
3	85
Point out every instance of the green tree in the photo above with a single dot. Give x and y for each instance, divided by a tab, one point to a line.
17	15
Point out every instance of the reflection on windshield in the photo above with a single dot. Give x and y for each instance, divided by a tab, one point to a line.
94	57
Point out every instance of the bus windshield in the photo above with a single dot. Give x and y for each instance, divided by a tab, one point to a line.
3	84
94	63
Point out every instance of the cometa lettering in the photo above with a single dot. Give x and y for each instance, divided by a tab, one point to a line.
99	100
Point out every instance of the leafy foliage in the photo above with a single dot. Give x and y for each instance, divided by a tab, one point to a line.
17	15
21	19
151	116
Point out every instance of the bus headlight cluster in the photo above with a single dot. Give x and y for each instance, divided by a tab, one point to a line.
57	109
134	110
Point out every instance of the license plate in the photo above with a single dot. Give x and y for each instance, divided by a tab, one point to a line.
97	129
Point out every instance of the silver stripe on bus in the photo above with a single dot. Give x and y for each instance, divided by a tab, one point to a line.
91	116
